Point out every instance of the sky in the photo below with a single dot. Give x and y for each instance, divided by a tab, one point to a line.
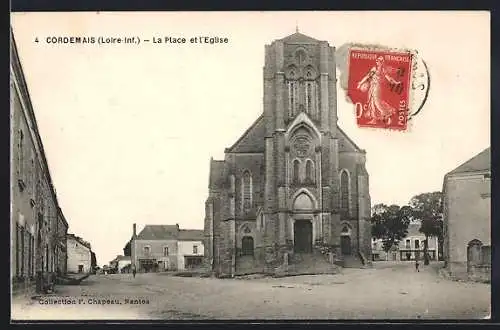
129	130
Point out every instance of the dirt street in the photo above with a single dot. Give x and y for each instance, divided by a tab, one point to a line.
388	290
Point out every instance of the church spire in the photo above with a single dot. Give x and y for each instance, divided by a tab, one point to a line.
296	27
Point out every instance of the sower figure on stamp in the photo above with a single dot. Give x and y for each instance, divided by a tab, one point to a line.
378	109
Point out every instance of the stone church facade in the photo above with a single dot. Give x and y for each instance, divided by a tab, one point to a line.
294	183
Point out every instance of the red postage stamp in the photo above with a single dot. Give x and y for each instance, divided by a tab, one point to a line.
379	87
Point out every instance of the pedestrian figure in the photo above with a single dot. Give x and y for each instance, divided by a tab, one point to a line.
133	270
416	265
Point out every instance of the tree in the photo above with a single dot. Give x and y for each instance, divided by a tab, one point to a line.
390	224
428	209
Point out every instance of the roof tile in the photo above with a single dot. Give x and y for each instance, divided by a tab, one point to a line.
159	232
480	162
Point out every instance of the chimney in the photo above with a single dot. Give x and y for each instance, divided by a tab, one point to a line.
134	232
177	226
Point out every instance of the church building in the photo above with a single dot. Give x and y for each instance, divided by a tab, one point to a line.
294	187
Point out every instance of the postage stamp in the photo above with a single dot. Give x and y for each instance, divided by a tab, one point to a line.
379	86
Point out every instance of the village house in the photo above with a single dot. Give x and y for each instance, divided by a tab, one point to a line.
190	249
411	247
467	218
38	225
160	248
79	255
121	264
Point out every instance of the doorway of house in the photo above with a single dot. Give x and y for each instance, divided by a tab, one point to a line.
302	235
80	268
345	245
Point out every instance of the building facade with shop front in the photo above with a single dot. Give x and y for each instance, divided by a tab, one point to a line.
161	248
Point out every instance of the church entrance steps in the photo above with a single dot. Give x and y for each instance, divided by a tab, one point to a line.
309	264
351	261
246	265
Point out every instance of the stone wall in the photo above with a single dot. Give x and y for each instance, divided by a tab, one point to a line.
467	215
34	206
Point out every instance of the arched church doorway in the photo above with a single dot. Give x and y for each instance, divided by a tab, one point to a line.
345	245
345	241
302	223
302	236
473	254
247	246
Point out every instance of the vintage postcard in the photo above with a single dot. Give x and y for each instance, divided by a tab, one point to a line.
250	165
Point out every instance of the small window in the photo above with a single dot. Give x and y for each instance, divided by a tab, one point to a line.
310	171
165	251
408	244
417	244
195	249
146	249
296	169
21	153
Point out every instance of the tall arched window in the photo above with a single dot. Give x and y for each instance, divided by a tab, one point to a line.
296	169
309	97
309	171
247	190
344	193
293	96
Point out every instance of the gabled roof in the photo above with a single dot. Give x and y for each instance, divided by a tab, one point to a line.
120	257
79	240
159	232
345	142
299	38
216	176
480	162
191	235
302	119
252	141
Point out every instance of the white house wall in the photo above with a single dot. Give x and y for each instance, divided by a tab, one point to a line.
78	255
185	248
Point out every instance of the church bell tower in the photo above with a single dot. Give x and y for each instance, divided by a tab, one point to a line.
301	147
